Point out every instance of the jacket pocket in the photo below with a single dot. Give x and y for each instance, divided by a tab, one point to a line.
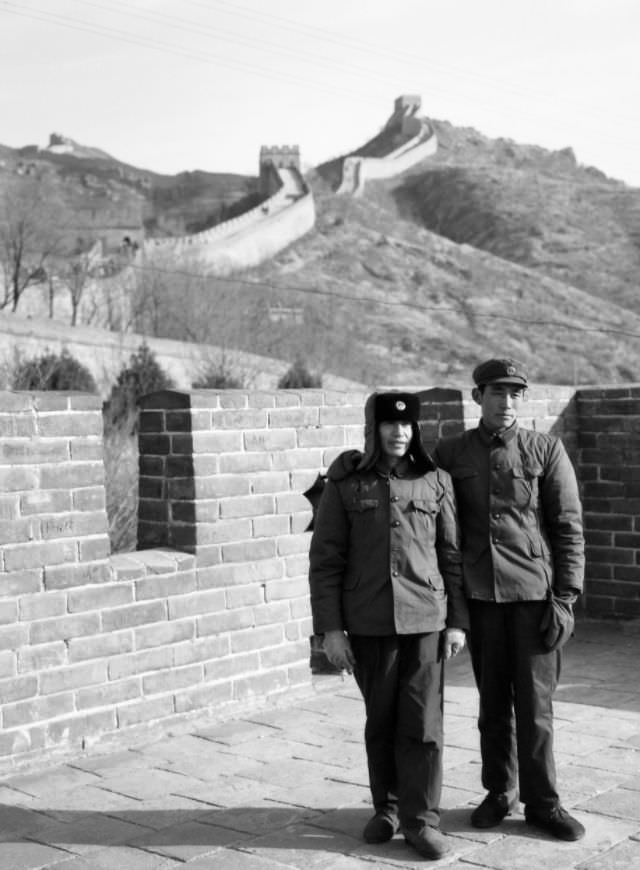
463	472
425	505
362	504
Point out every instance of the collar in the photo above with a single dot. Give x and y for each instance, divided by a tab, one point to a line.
400	470
495	439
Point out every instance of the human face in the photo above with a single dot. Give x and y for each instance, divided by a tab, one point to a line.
500	404
395	437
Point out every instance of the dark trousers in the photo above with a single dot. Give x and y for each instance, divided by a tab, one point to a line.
516	679
401	680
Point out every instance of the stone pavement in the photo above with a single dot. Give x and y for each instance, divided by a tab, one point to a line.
287	787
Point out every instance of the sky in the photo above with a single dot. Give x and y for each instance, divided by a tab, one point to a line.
175	85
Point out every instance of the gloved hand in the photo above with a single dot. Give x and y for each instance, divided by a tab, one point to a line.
338	650
558	622
454	642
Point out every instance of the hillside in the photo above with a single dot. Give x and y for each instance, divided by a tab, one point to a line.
92	181
488	247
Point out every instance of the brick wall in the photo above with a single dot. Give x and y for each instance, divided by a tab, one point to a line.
212	613
609	470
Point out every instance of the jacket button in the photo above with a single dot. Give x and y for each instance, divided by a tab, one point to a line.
395	498
395	523
394	573
496	516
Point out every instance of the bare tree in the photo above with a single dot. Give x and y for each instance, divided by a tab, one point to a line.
32	222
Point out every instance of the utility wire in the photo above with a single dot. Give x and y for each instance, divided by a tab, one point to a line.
415	306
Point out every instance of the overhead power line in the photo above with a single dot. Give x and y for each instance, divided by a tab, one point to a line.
391	303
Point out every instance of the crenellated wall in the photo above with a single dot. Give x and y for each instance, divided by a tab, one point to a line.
212	615
257	234
357	170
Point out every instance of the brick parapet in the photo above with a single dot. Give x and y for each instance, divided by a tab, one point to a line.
214	613
609	470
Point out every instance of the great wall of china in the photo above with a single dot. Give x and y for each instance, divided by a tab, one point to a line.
289	212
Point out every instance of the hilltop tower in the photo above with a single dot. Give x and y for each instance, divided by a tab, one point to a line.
274	157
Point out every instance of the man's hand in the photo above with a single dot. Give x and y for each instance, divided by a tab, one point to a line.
338	650
454	642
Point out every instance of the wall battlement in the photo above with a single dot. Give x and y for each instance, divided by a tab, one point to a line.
213	614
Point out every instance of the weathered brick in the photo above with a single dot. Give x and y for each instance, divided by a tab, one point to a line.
99	597
83	450
196	603
39	658
202	649
172	679
52	501
33	452
64	628
245	551
269	481
247	506
100	646
71	475
110	694
217	442
287	654
300	458
269	440
287	589
259	685
13	479
242	596
80	729
256	638
325	436
10	507
267	527
8	664
297	566
133	614
14	636
72	677
18	688
293	418
223	531
37	710
42	605
271	613
239	574
224	621
94	549
67	576
240	418
165	585
244	463
35	554
144	711
140	662
202	697
164	633
231	666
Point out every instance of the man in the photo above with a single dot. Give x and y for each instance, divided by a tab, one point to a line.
385	576
523	565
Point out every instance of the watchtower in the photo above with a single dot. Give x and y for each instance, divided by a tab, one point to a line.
273	157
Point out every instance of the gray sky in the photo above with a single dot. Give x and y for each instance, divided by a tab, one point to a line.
170	85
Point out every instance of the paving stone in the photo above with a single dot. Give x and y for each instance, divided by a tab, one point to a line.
231	859
619	802
143	783
16	821
29	856
84	800
624	856
47	784
189	840
120	858
303	846
615	758
229	791
87	833
524	848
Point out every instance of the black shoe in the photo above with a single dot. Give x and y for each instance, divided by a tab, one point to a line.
556	821
429	842
380	828
492	810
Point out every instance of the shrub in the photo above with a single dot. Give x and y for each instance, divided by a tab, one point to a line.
52	371
217	377
299	377
143	375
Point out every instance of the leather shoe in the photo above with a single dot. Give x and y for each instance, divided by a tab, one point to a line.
380	828
429	842
555	821
492	810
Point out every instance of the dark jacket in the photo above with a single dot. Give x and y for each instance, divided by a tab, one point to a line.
520	514
385	555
